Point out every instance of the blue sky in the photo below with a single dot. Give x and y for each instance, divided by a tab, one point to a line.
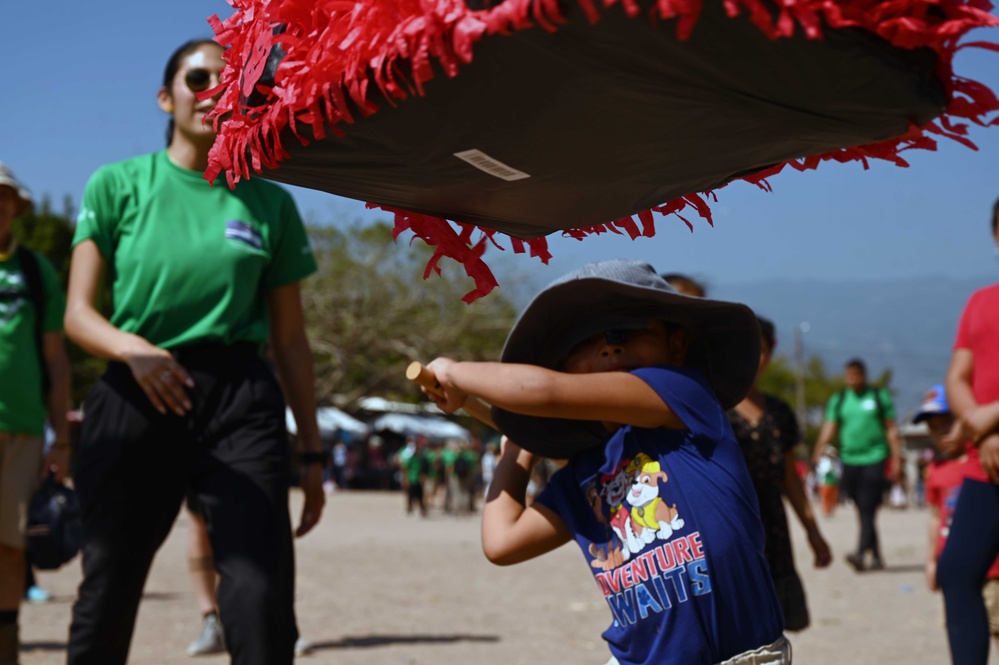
80	88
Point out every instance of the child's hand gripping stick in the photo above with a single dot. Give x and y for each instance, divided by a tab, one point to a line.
473	406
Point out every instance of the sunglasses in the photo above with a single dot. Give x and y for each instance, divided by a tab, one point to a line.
614	337
199	79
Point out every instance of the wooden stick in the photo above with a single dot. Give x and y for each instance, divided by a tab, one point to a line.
473	406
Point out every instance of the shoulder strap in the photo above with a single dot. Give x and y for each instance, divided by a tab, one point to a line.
881	407
840	398
36	292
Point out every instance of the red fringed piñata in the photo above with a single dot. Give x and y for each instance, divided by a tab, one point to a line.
580	116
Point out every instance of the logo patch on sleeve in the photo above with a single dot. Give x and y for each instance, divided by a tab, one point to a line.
244	232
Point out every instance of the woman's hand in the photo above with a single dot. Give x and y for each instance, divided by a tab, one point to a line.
953	442
57	463
160	376
448	397
315	499
820	548
988	453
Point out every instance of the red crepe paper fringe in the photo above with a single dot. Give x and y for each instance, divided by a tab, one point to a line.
339	49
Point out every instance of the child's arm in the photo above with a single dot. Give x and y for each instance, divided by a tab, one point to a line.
931	556
615	397
803	509
511	531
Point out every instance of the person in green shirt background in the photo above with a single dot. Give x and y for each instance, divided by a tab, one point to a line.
434	479
863	418
413	467
34	384
201	277
465	470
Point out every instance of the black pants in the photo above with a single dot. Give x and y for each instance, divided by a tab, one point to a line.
134	467
414	495
972	546
865	486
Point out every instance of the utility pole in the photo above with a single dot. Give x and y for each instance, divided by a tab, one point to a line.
799	374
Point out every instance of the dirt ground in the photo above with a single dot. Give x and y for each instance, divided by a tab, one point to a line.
376	587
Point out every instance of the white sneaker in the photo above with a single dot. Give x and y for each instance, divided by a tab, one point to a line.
210	640
36	594
303	647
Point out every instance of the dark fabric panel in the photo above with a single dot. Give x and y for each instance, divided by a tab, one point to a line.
614	118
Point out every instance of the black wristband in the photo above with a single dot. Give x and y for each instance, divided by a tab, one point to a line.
314	458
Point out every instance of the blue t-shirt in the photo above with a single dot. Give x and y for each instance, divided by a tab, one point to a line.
668	521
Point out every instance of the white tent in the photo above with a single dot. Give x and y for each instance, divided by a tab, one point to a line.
331	420
382	405
433	427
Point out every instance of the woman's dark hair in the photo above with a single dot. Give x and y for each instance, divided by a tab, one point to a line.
768	332
858	364
173	64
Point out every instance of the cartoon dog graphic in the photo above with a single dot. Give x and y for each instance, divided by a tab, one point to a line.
651	518
615	489
607	556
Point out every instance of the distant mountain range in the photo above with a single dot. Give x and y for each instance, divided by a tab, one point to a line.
905	324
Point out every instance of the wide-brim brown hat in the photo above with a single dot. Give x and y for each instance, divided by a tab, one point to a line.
7	179
601	296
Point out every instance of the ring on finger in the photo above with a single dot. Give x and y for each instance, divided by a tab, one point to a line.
165	375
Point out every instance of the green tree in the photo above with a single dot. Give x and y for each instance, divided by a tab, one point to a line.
369	312
51	234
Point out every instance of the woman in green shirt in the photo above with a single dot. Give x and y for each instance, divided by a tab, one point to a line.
201	277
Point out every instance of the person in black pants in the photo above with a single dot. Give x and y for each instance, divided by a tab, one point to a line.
862	416
973	541
201	278
865	485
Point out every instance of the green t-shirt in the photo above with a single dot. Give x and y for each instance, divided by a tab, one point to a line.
414	465
432	456
470	460
448	458
191	262
22	405
861	433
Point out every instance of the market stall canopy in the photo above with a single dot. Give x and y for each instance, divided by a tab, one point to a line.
382	405
433	427
573	118
331	420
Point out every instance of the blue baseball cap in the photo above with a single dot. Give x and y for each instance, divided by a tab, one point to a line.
934	403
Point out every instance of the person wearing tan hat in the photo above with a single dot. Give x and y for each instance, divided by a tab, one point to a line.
14	195
34	384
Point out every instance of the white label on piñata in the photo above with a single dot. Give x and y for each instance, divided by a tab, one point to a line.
493	167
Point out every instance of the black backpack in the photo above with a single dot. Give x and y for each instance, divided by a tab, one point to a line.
55	525
36	296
